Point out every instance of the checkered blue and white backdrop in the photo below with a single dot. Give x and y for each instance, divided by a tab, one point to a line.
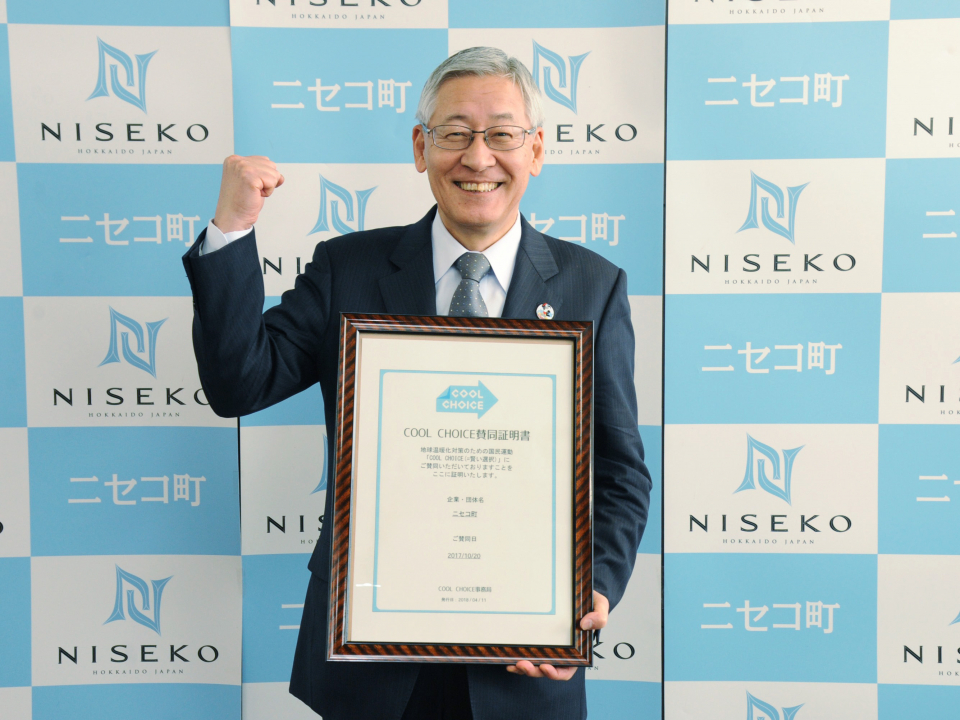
812	369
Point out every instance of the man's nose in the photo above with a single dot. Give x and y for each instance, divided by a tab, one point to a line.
478	156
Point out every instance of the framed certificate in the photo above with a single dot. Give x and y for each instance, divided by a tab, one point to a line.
463	488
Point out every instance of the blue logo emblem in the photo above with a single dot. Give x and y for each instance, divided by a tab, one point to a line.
139	586
146	342
956	620
766	711
790	206
322	485
554	61
131	79
330	214
466	399
752	478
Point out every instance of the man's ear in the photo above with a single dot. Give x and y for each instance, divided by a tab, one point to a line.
539	153
419	147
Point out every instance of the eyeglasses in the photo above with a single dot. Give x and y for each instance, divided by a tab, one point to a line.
498	137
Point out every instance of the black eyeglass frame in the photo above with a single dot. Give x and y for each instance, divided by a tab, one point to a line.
433	139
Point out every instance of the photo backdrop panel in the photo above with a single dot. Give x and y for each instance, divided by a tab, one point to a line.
614	210
806	90
11	278
923	65
284	488
918	636
775	226
15	622
269	700
919	493
688	12
13	408
153	702
16	702
95	229
136	618
348	99
170	101
132	363
274	589
630	645
6	117
599	13
798	489
770	618
14	494
771	701
364	14
777	359
318	202
119	12
603	88
920	246
129	490
919	353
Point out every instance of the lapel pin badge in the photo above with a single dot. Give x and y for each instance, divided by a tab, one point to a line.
545	312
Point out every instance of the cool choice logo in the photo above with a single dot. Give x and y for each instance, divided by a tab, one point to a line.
915	654
466	399
140	586
280	526
941	396
329	219
757	474
120	89
762	191
144	358
134	599
547	65
131	89
757	709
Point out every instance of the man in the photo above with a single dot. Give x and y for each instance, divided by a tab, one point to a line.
479	140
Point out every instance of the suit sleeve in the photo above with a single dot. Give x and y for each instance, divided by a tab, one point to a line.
621	479
249	360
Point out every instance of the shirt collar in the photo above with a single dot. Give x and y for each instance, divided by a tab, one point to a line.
502	254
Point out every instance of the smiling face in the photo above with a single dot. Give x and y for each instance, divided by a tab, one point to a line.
478	190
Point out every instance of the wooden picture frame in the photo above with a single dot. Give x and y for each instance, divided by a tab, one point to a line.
386	602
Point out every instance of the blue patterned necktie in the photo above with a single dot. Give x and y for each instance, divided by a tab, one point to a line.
467	301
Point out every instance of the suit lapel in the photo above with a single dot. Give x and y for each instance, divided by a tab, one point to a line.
529	287
412	289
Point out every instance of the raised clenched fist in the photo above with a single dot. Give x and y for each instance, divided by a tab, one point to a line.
245	183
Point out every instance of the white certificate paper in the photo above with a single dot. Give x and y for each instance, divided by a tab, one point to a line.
462	510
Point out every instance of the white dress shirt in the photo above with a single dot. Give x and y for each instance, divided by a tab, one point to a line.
446	249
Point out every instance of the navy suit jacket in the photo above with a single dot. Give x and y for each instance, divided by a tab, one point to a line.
249	360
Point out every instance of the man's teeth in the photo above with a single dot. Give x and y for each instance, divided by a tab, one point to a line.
478	187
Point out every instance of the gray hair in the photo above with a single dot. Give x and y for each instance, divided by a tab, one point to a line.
482	62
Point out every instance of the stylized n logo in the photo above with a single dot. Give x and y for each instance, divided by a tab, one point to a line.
139	586
131	79
756	473
331	215
145	345
553	61
757	183
757	709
